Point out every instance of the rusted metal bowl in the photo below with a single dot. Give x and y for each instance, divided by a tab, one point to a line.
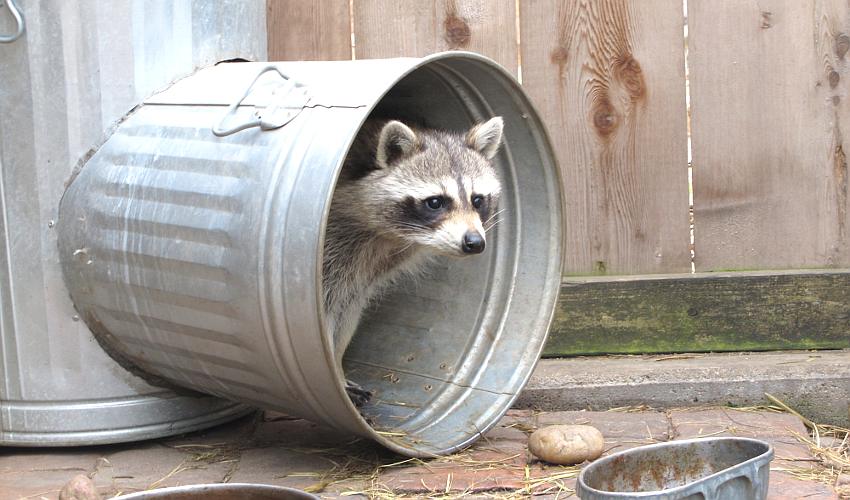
721	468
233	491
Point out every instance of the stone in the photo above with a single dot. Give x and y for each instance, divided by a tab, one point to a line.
567	444
80	487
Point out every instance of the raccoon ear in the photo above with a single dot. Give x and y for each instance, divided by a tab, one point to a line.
486	137
395	141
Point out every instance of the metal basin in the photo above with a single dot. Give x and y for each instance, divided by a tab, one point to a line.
234	491
197	258
698	469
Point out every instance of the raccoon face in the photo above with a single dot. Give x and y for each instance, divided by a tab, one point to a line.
438	189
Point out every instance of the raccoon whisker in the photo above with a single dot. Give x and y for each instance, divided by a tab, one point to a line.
492	225
499	212
412	229
409	232
411	226
402	250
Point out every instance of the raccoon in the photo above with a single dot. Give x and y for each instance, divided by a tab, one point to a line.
404	194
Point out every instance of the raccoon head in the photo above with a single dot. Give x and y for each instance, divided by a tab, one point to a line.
437	189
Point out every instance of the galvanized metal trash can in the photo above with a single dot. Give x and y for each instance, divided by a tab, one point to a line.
197	258
75	69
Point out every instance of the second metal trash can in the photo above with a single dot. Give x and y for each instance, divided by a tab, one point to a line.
197	258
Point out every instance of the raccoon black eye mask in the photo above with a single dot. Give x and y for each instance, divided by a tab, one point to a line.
404	194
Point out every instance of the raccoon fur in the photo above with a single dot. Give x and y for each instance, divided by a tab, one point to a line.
403	194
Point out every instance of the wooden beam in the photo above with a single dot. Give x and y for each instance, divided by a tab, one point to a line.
702	312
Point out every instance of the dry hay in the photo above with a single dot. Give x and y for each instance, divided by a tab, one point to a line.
551	483
356	460
356	469
201	456
829	444
367	467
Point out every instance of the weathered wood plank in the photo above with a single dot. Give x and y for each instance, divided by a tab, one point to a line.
308	31
703	312
608	78
769	88
416	28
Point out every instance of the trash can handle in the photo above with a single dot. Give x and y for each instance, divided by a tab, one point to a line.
19	20
275	119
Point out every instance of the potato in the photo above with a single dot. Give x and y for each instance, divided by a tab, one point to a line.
80	487
566	444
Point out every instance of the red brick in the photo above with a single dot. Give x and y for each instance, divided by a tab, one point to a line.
500	432
730	422
453	479
784	486
651	426
274	447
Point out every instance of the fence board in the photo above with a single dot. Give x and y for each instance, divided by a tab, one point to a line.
769	121
415	28
608	78
301	30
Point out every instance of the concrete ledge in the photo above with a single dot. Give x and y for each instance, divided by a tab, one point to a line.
815	383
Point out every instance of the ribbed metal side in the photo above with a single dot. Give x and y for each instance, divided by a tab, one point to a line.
168	216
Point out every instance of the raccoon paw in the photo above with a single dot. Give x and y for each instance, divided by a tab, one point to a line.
359	396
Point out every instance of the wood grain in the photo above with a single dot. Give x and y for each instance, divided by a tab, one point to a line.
416	28
608	78
702	312
301	30
770	117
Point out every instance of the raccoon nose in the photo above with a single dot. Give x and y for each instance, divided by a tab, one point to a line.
472	242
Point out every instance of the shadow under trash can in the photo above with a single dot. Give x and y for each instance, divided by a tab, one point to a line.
197	259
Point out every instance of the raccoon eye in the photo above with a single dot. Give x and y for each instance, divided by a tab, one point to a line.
435	202
477	201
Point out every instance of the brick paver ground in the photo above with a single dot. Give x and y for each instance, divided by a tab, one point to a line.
275	449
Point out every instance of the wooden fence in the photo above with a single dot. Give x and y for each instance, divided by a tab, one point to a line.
769	113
